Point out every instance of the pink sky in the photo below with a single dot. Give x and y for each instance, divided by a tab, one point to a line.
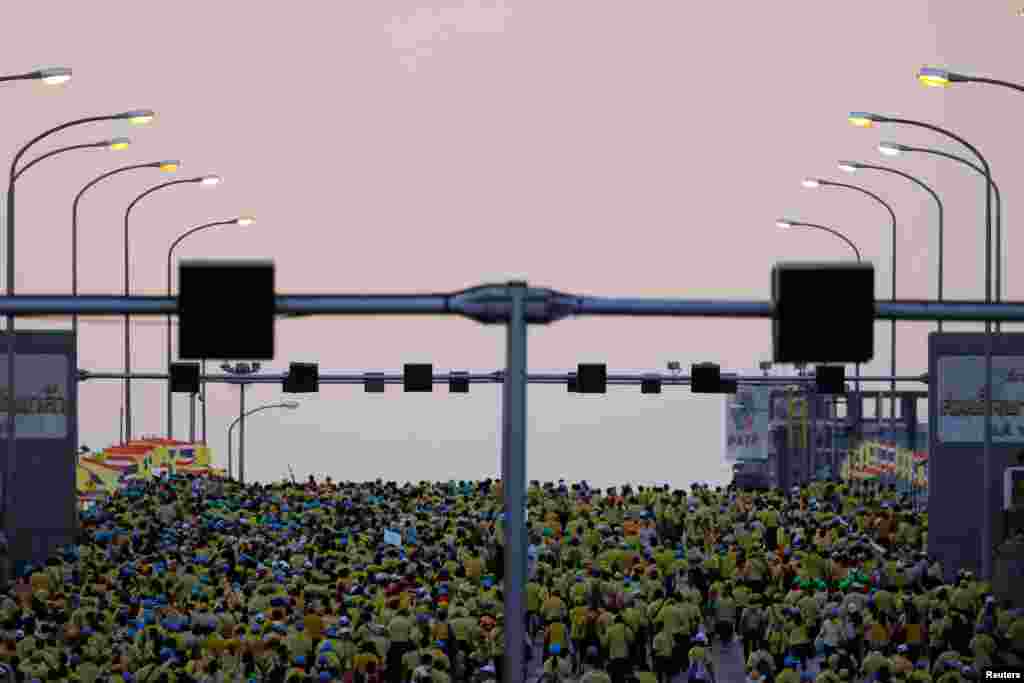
610	148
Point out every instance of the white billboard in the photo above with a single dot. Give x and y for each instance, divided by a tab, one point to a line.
961	399
42	406
747	425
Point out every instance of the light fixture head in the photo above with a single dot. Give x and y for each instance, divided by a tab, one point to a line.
784	223
210	180
170	166
811	183
291	405
891	149
54	75
934	77
138	117
863	119
245	220
848	166
119	143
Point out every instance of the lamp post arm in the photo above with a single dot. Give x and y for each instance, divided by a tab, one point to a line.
834	232
54	152
995	191
47	133
256	410
994	81
892	215
947	133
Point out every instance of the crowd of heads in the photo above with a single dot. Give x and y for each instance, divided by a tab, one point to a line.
202	579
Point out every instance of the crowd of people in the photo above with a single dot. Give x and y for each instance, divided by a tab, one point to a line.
199	579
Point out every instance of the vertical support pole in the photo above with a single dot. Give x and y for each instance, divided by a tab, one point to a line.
986	498
192	418
812	435
230	467
513	478
203	385
12	403
170	394
241	435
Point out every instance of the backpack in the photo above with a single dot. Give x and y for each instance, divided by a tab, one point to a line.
698	671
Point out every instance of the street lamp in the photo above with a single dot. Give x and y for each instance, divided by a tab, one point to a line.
289	405
867	120
113	144
788	223
943	78
199	180
818	183
854	166
241	221
51	76
893	149
240	370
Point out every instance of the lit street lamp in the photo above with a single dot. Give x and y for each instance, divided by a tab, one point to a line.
786	223
206	181
817	183
51	76
943	78
241	221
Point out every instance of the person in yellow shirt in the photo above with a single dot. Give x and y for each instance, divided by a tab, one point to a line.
662	655
617	641
555	634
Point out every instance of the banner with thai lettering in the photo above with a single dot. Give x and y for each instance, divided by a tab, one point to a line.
42	405
747	424
961	389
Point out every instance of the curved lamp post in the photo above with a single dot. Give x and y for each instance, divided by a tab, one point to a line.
789	223
943	78
199	180
289	405
817	183
241	221
114	143
50	76
167	165
893	149
867	120
854	166
138	117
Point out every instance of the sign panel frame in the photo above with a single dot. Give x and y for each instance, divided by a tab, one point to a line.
956	483
40	482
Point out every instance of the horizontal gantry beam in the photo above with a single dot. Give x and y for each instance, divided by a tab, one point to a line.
493	305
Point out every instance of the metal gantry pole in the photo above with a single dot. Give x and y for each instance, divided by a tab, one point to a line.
241	434
203	385
513	478
987	546
230	463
